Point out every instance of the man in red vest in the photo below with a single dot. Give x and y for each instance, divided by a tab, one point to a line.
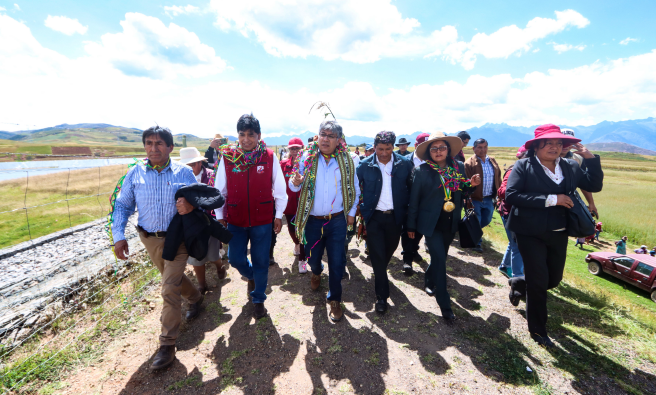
250	179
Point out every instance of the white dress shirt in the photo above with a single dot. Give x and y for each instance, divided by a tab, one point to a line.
385	201
417	161
557	177
356	159
277	180
328	188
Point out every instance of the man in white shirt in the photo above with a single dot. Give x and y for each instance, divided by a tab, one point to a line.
386	179
250	179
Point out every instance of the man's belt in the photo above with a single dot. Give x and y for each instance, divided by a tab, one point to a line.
386	211
158	235
329	216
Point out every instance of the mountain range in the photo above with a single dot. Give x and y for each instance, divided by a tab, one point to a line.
640	133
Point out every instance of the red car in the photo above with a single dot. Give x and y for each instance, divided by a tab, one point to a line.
636	269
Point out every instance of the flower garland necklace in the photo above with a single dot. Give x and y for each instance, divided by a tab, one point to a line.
452	181
240	158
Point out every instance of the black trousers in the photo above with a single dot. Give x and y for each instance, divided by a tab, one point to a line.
410	246
544	262
383	235
435	277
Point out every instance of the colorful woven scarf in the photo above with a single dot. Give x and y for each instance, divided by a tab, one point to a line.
240	158
451	179
311	156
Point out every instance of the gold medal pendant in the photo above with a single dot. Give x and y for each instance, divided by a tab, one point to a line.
449	206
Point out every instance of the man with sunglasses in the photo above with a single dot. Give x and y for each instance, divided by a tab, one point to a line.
327	204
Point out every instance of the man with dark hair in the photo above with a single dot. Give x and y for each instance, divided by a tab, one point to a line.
385	185
483	197
403	147
250	178
327	203
465	137
150	186
310	139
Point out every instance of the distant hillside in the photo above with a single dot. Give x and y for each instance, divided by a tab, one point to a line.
619	147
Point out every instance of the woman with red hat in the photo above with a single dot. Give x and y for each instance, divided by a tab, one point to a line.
539	190
294	147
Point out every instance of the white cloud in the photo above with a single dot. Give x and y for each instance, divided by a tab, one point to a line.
627	40
91	89
17	7
560	48
364	31
65	25
176	10
510	40
2	8
148	48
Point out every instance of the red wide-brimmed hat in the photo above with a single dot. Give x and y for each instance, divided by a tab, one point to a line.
295	142
550	131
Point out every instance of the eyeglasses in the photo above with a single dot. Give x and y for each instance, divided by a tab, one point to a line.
552	144
327	136
441	148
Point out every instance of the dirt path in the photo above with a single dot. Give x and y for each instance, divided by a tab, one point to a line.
297	350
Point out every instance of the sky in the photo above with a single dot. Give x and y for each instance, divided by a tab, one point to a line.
196	66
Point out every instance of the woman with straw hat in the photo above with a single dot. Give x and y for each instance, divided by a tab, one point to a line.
437	193
539	190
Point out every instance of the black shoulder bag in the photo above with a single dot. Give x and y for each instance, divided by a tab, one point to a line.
580	222
469	228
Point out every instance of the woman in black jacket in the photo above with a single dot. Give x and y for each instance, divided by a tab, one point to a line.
539	190
440	208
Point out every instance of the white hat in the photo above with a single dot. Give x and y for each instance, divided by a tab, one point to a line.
190	155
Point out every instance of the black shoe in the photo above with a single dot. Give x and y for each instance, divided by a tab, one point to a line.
260	311
381	306
407	268
544	341
477	249
449	317
194	308
429	291
165	356
417	258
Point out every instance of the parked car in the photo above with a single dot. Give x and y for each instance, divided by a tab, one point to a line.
636	269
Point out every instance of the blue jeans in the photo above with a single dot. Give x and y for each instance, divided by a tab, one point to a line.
512	258
332	241
258	270
484	211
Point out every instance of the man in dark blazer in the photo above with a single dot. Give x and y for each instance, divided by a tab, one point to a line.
385	184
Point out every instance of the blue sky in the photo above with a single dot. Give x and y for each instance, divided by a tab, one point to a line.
415	65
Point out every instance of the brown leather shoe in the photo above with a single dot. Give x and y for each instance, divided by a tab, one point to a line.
165	356
221	270
336	313
315	282
251	287
260	311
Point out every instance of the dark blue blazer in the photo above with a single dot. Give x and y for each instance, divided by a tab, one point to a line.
371	184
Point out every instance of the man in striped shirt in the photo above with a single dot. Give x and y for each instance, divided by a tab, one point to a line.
150	186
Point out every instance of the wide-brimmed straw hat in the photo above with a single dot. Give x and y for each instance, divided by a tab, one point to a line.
190	155
219	136
454	142
550	131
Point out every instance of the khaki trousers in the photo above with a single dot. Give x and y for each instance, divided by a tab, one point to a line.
175	286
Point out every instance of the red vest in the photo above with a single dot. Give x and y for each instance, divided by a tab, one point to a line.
250	193
292	197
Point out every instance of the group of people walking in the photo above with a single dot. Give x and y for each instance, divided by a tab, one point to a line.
400	196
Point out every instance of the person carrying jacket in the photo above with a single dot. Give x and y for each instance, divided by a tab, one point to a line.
540	189
483	197
385	190
150	186
250	178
